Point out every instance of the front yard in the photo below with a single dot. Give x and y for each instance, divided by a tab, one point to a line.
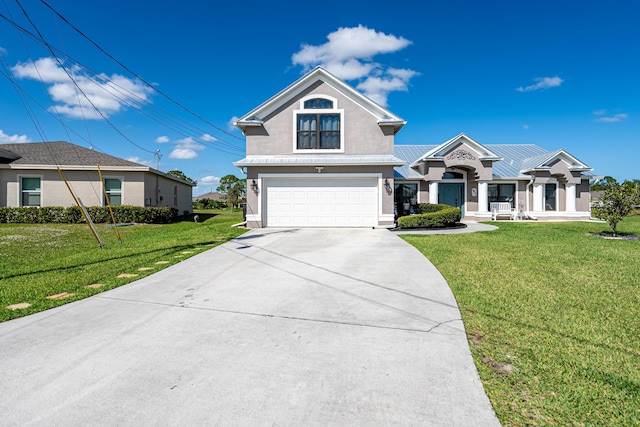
552	316
47	265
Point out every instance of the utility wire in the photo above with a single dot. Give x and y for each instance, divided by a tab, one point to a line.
134	74
162	116
76	84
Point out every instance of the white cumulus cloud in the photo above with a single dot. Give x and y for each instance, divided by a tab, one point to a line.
185	149
230	124
541	83
348	54
109	94
13	139
162	139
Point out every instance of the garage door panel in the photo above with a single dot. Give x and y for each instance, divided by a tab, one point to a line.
321	202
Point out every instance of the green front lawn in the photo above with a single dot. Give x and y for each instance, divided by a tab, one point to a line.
552	316
38	261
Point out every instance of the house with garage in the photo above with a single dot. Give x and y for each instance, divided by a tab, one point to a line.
29	177
321	154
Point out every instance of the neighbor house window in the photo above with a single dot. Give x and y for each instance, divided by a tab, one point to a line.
31	191
318	125
113	189
550	197
502	193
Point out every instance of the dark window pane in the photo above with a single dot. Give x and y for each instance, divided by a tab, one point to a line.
306	140
330	140
318	103
30	184
550	197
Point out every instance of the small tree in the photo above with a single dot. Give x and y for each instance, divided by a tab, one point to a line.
232	189
617	202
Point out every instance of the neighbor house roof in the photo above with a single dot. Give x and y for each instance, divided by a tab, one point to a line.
211	196
517	159
256	116
61	153
67	156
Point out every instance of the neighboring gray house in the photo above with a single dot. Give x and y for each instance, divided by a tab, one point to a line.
321	154
29	177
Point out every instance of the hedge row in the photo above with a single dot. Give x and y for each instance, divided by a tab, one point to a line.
98	214
431	215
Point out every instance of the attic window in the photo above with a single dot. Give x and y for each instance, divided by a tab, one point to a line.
318	103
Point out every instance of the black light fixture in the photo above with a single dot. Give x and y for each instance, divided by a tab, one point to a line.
254	185
387	185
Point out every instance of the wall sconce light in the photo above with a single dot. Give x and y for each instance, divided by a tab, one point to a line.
387	185
254	186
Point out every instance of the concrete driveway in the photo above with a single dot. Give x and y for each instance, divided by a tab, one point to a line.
277	327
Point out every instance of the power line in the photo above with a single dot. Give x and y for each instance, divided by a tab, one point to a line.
155	113
134	74
76	84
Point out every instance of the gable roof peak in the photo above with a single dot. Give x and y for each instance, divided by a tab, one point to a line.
256	116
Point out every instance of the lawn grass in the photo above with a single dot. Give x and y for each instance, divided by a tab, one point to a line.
552	316
37	261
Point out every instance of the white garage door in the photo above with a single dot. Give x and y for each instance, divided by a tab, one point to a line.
321	202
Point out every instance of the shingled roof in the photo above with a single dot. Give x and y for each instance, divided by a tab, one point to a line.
58	154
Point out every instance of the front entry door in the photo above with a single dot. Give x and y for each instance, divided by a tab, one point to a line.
452	194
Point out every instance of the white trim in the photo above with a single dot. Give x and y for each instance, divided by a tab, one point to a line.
19	177
318	74
261	198
570	197
322	111
102	185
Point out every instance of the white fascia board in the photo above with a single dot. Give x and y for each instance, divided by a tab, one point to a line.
483	152
318	73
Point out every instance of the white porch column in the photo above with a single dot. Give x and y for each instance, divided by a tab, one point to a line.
570	194
538	197
433	192
483	196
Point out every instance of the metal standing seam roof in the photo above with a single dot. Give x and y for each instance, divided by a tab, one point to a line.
516	157
319	159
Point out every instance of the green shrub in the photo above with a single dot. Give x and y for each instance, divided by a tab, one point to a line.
98	214
432	215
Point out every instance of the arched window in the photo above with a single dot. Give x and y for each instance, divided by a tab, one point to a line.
318	103
318	125
452	175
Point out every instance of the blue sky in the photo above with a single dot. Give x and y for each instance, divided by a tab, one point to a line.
559	74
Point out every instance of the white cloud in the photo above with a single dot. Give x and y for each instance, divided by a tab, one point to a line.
208	138
542	83
525	126
136	159
230	123
183	154
207	184
612	119
185	149
3	51
110	94
349	53
13	139
600	112
162	139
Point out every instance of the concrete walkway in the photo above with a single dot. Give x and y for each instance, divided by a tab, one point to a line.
278	327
